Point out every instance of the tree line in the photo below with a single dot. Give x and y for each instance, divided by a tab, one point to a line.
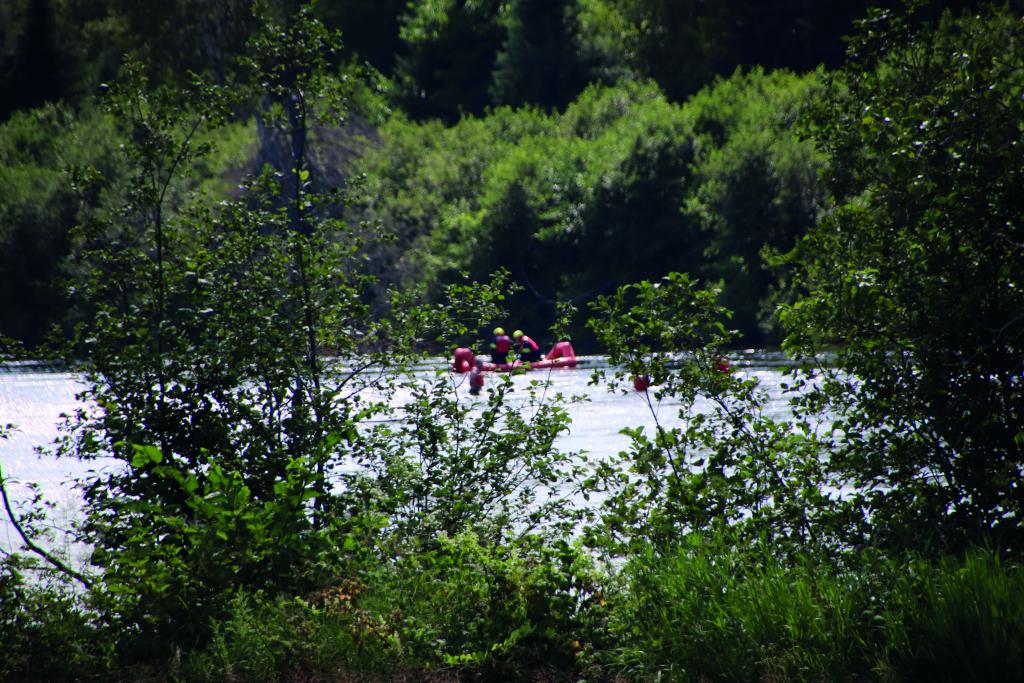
441	65
447	57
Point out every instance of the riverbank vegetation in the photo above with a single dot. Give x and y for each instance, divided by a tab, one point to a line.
299	497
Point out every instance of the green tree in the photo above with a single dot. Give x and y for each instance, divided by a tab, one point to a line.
178	37
33	69
39	206
205	354
538	63
450	51
756	187
917	276
368	27
621	186
684	45
715	461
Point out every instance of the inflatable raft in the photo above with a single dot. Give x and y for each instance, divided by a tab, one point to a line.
561	355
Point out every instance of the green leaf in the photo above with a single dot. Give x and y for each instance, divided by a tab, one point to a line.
143	455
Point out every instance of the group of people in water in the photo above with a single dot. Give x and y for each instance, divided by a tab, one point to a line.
519	346
525	348
522	349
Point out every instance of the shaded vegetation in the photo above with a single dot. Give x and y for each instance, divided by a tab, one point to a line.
451	59
917	273
623	185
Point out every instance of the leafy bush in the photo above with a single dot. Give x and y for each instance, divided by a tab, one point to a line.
46	631
718	462
917	277
448	466
508	612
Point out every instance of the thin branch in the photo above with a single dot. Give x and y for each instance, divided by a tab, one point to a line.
38	550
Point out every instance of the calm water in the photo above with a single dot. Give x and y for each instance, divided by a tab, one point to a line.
34	401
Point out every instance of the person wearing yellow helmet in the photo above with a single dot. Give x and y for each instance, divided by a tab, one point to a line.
500	347
527	349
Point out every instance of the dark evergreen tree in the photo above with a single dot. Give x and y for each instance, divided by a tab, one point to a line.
538	63
33	70
368	27
449	55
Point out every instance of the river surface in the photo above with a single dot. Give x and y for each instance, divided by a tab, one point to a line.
34	401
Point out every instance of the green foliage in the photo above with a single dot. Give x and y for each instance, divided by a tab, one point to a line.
369	28
446	466
175	560
502	612
722	463
622	186
34	69
450	50
59	169
539	63
706	610
497	608
208	370
47	634
546	53
757	187
917	274
178	38
294	499
684	45
62	51
263	638
206	365
962	619
39	205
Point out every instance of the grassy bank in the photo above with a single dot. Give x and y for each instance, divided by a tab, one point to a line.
464	611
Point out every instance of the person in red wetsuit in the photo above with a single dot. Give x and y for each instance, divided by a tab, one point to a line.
500	347
476	377
527	348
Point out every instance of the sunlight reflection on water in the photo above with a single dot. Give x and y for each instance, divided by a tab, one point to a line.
35	400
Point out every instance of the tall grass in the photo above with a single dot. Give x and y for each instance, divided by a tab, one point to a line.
961	620
705	611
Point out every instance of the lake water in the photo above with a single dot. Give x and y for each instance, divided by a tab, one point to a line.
34	400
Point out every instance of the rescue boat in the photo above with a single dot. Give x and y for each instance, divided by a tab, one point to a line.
561	355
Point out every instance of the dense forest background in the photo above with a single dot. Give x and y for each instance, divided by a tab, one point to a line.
579	144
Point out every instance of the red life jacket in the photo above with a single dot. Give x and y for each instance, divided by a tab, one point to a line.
527	342
502	343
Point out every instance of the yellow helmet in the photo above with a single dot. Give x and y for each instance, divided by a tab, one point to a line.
499	331
517	334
